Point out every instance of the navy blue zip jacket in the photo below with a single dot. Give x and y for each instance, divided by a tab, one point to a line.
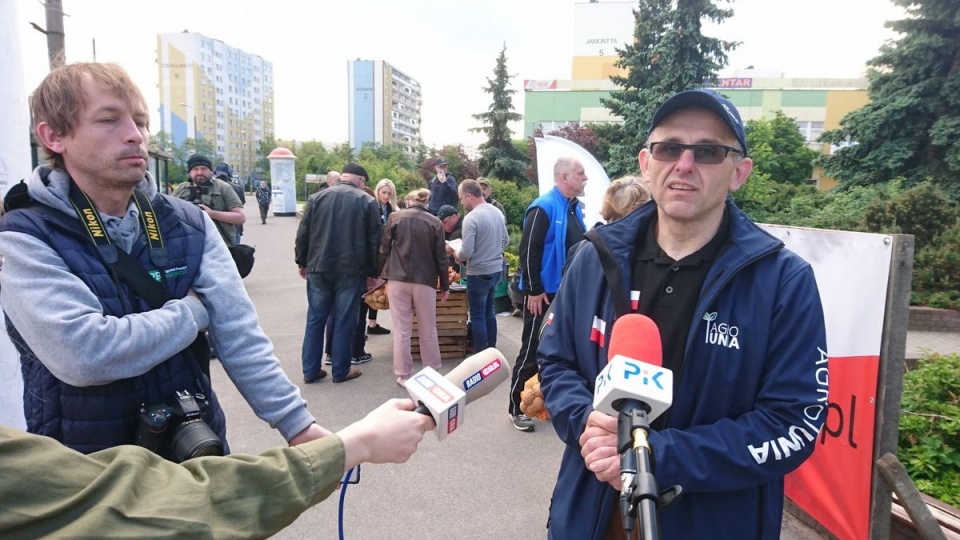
751	398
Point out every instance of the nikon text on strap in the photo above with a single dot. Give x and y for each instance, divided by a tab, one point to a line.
154	293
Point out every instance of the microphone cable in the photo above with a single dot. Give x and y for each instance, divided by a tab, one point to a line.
347	479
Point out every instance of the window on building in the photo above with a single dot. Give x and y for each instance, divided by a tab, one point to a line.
547	127
810	130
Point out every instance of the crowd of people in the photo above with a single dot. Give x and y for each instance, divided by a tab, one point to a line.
138	286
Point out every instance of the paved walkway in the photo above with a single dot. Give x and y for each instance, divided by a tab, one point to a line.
922	343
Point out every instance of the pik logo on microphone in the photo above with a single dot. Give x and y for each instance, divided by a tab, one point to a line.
628	378
646	374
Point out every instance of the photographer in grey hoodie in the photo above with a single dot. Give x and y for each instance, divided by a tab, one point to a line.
88	342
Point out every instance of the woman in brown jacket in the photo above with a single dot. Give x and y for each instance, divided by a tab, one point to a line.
412	258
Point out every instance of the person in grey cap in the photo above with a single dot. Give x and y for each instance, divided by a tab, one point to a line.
443	188
450	217
337	250
742	330
488	195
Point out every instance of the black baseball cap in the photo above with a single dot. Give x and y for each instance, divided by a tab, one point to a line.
708	99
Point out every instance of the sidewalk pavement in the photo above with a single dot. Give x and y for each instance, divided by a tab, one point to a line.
486	481
920	344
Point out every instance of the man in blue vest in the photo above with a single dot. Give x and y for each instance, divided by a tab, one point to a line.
552	224
107	312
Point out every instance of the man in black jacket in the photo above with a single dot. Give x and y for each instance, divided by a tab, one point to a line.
443	188
336	250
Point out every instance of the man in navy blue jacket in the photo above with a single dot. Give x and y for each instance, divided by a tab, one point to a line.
742	329
443	188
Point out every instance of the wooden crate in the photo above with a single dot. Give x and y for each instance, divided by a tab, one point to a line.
451	327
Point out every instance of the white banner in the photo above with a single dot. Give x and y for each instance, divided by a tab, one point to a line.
549	150
852	271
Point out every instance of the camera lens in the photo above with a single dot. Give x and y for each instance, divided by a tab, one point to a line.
194	438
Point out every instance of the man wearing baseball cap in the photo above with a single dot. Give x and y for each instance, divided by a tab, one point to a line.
742	330
443	188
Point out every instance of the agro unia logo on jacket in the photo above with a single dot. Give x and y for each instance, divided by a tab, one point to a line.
721	333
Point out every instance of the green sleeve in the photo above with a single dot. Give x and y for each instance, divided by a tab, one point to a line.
51	490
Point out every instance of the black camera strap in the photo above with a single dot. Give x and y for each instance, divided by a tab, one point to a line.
153	291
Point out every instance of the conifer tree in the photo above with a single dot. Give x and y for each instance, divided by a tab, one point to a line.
499	157
669	54
911	127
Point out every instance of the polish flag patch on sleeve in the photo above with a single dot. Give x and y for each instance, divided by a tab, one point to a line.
599	331
550	318
634	300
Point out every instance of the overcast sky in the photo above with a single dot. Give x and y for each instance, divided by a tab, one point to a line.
450	46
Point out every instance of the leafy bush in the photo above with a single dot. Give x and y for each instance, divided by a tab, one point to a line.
929	445
922	211
936	274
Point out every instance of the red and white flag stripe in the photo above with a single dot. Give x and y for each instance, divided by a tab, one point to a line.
599	331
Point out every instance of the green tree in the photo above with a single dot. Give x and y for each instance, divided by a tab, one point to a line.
161	140
779	149
499	157
202	146
264	147
911	127
922	211
669	53
459	163
176	169
391	162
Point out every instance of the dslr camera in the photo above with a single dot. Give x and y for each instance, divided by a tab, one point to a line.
197	191
176	430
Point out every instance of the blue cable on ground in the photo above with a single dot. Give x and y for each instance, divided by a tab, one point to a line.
343	493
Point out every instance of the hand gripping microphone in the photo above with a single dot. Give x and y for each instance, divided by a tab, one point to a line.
444	398
636	389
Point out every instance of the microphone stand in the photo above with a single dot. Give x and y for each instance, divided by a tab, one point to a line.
638	495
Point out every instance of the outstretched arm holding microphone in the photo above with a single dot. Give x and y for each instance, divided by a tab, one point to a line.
128	490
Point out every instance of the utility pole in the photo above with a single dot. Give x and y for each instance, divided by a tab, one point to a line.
55	41
54	32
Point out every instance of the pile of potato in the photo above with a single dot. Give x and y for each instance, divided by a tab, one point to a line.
452	278
378	298
531	400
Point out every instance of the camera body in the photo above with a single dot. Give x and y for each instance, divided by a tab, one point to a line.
176	430
196	192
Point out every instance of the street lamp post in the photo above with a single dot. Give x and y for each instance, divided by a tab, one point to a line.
193	112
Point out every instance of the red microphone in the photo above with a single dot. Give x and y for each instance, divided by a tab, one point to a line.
636	336
633	371
637	389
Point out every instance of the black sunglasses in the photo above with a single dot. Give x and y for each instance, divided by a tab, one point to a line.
707	154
